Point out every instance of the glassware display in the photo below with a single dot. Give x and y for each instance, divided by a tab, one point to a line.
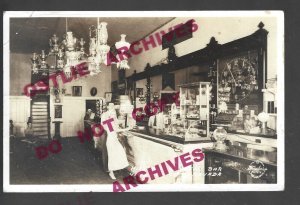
263	118
194	111
238	78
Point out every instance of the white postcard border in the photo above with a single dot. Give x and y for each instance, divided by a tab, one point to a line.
7	187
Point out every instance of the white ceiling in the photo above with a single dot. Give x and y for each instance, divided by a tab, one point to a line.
32	34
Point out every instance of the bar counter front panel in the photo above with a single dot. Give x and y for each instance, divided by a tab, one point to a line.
148	148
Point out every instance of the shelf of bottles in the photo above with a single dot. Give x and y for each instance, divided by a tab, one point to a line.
212	76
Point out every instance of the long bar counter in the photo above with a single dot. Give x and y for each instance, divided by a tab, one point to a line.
148	148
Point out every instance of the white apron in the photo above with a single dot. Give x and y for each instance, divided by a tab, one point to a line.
117	158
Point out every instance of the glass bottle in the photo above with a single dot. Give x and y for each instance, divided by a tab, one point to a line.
220	136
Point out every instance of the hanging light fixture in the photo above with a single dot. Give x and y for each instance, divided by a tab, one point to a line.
123	61
70	52
35	63
98	47
72	55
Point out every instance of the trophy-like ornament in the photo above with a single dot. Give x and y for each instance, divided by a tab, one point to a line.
93	46
102	53
102	33
123	64
53	42
35	63
60	60
92	65
123	56
72	58
70	41
67	71
44	66
81	43
51	46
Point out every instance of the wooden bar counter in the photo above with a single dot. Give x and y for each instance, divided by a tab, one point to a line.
149	147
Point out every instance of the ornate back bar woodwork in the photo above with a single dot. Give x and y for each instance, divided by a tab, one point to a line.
211	55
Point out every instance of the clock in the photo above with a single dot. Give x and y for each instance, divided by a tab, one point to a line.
238	79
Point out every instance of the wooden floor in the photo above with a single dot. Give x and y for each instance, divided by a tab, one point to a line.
75	164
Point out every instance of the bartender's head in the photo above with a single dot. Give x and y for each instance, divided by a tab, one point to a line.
104	108
247	117
89	111
111	106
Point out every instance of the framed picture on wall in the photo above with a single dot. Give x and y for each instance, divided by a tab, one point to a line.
108	96
168	80
93	91
139	92
76	90
58	111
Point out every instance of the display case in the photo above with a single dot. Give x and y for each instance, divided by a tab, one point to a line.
193	123
234	167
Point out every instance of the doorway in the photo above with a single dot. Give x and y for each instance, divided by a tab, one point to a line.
91	104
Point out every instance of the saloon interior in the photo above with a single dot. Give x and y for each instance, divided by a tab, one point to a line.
215	76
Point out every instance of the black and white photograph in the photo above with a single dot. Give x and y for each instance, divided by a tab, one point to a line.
143	101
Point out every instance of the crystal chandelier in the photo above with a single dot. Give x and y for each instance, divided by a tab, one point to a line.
98	47
66	53
72	55
39	63
70	52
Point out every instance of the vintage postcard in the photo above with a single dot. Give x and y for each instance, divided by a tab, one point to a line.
139	101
